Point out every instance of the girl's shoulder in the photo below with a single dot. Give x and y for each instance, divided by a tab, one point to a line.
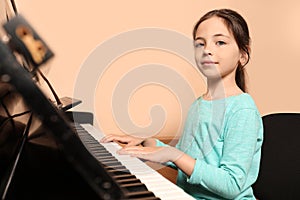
243	99
240	102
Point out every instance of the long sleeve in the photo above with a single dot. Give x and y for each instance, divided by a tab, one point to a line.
240	157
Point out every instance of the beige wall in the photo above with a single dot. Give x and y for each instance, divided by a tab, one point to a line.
75	29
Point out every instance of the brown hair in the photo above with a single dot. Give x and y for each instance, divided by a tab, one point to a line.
239	28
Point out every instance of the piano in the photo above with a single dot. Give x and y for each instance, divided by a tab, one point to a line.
64	160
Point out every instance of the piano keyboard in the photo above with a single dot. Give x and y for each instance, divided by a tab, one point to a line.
132	168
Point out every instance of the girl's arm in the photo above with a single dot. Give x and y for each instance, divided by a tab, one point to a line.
186	163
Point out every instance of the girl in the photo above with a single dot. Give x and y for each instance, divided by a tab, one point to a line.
218	155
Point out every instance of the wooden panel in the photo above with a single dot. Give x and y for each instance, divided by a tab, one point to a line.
167	172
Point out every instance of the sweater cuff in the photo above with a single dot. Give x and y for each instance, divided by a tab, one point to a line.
160	143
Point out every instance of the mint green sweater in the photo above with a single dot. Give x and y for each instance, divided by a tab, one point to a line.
225	137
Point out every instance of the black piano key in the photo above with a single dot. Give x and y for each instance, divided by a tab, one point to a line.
120	167
118	172
104	154
101	154
108	158
124	176
111	163
96	147
145	195
128	180
135	187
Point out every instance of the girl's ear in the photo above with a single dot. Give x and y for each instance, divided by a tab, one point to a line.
245	57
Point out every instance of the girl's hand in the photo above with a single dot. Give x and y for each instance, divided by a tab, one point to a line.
125	139
154	154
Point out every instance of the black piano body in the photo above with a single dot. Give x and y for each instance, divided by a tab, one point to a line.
43	172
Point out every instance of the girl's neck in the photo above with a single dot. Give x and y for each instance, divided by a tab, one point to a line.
219	89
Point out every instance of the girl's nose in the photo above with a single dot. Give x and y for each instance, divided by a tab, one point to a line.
207	51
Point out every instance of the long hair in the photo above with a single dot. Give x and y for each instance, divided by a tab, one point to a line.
237	25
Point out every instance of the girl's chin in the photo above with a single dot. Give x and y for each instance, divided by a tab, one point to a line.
210	73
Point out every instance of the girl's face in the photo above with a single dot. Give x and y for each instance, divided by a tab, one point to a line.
216	51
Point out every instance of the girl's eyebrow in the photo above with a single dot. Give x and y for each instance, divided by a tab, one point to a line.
199	38
215	35
220	34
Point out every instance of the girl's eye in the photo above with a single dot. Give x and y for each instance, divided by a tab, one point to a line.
220	43
199	45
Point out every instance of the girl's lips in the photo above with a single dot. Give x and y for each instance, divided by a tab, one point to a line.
209	63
